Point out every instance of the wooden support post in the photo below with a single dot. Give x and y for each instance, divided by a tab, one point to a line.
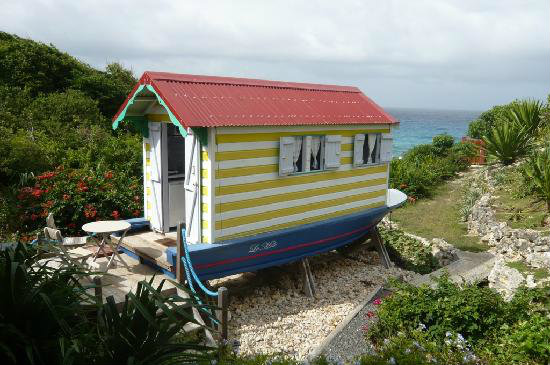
223	304
180	275
308	281
379	244
98	290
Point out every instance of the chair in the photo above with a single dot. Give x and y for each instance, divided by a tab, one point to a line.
77	255
65	241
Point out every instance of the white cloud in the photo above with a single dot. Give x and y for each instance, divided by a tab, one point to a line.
427	53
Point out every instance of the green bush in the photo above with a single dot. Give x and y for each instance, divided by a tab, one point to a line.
408	252
454	323
475	313
443	142
424	167
538	170
487	120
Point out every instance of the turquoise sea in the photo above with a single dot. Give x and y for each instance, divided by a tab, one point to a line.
418	126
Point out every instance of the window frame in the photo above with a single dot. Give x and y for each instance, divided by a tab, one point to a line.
321	154
378	146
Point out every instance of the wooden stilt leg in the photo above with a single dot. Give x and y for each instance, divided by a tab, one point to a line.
379	244
223	303
307	279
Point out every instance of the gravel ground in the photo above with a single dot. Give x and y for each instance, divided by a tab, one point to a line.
276	318
347	345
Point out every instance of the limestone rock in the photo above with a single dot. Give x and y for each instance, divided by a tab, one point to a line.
505	280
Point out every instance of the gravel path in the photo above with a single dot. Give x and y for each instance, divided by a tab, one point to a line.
350	342
276	318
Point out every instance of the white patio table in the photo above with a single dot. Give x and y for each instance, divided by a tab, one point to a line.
105	229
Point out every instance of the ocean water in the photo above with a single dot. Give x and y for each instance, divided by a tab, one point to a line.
419	126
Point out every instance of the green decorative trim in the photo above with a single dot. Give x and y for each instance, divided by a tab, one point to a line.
122	114
172	117
202	134
142	127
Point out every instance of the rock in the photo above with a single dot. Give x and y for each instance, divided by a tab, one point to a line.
505	280
443	252
530	281
538	259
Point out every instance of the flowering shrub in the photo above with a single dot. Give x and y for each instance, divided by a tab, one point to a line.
76	197
461	324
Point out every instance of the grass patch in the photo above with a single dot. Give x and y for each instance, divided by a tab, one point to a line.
523	268
439	217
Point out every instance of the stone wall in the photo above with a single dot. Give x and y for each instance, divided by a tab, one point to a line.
509	244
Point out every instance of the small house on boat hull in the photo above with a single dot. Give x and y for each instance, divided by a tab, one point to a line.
261	172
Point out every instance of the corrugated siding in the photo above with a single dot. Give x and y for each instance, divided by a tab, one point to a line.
252	198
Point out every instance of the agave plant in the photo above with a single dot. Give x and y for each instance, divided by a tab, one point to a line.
48	317
143	331
526	113
538	169
507	141
40	305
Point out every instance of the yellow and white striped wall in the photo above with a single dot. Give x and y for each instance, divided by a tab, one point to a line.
242	193
147	203
251	197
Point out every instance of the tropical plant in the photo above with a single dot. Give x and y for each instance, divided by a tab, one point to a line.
48	317
507	141
526	113
142	332
538	169
40	305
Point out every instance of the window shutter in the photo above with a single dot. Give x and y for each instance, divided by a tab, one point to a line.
332	151
358	143
306	153
286	153
386	147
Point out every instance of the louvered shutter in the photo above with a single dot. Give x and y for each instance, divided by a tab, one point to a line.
286	152
358	143
386	147
332	151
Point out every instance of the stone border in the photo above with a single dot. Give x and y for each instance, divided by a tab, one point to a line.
319	349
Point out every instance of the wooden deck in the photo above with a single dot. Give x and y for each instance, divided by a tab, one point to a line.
150	246
121	279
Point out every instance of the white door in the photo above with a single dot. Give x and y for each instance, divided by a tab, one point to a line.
159	177
192	188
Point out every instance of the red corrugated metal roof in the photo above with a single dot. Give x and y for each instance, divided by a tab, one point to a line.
210	101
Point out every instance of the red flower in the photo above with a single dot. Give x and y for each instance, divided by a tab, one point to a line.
136	213
370	314
108	175
46	175
44	213
377	301
36	192
71	225
89	211
81	186
48	204
115	214
66	197
34	217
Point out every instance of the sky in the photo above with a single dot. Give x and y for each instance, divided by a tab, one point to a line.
440	54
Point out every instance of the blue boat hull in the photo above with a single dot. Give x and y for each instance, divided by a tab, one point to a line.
278	247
